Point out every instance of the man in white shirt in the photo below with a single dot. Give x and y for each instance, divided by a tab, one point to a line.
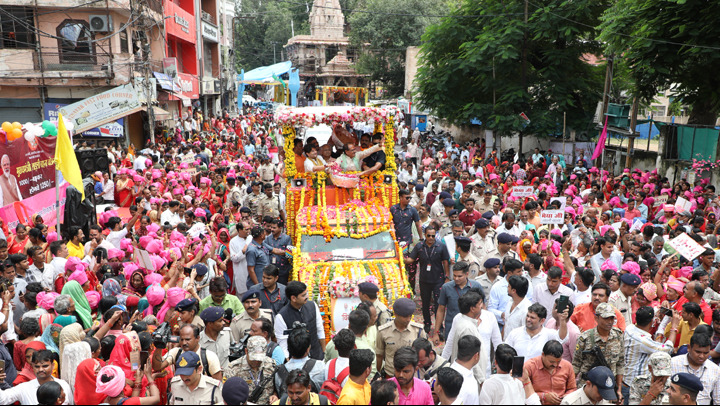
26	393
117	231
59	252
448	385
468	357
108	194
139	163
170	215
515	309
238	247
546	293
466	324
502	388
530	340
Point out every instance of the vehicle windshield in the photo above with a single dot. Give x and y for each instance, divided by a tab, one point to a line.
378	246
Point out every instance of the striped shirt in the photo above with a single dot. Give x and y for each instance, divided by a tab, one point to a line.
708	373
639	345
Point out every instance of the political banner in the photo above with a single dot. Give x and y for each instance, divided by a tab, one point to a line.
522	191
686	246
552	217
660	200
27	183
682	205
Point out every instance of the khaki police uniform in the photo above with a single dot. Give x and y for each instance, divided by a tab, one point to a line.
208	392
390	339
221	346
241	323
252	202
383	313
270	206
580	398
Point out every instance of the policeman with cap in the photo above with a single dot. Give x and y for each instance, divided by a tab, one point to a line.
398	333
652	388
252	200
418	197
257	369
240	325
599	389
504	249
216	337
437	210
187	313
622	297
684	389
491	276
483	240
369	292
190	386
607	339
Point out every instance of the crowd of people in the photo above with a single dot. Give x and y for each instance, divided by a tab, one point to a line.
182	294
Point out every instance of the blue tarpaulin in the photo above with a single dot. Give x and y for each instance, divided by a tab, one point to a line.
642	129
265	73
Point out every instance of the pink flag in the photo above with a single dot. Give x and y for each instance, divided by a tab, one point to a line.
601	142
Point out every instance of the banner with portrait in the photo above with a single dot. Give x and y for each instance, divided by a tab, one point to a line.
27	181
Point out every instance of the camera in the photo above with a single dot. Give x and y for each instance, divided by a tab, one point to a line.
163	335
237	349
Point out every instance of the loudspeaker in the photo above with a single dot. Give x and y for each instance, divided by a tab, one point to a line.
301	182
93	160
387	179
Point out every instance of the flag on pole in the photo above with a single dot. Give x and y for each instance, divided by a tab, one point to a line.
65	159
601	141
282	83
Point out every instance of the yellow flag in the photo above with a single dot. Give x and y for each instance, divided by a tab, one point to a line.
65	159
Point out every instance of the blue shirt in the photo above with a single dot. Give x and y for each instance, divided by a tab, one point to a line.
404	220
249	149
281	242
449	295
257	256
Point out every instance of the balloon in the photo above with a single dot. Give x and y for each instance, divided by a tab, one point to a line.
49	129
17	125
30	131
15	134
69	124
7	127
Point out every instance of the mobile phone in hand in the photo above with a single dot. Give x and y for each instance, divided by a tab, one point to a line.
562	303
517	367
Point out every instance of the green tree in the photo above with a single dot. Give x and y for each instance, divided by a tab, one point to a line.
263	28
471	65
384	29
669	43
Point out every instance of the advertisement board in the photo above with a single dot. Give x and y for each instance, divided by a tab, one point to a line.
102	108
111	129
180	23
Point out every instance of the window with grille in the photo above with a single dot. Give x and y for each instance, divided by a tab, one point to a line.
17	27
124	45
74	42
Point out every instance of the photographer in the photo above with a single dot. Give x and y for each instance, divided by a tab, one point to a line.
257	370
299	348
189	341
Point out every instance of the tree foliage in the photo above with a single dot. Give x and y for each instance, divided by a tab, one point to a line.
471	65
262	25
378	27
669	43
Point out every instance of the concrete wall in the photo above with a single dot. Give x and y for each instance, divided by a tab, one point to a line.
411	68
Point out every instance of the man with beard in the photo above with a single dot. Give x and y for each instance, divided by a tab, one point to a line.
9	189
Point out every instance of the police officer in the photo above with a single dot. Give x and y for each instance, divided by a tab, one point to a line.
621	298
190	386
369	293
256	368
599	389
684	389
240	325
400	332
215	337
609	339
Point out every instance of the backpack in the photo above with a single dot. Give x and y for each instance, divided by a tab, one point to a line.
271	348
282	373
332	387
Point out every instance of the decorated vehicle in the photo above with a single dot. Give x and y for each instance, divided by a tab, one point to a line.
340	222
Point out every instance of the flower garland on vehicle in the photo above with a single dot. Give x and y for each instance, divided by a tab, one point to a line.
289	117
290	169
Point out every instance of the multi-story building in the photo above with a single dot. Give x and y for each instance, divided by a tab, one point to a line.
57	52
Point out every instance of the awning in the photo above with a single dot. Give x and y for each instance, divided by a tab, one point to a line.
166	82
264	74
161	114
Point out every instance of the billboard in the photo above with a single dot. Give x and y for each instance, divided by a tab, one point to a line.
27	181
111	129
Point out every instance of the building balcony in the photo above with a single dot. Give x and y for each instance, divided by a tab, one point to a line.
29	64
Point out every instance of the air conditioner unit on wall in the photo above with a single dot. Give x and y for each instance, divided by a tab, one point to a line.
100	23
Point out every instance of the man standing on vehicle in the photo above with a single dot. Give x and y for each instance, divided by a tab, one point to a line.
434	270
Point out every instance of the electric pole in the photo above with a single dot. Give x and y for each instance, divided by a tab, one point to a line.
524	73
606	98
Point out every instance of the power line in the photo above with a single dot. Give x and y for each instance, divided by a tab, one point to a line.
349	11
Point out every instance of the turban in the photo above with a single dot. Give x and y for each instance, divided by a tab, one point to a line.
93	298
79	276
631	267
608	264
115	386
